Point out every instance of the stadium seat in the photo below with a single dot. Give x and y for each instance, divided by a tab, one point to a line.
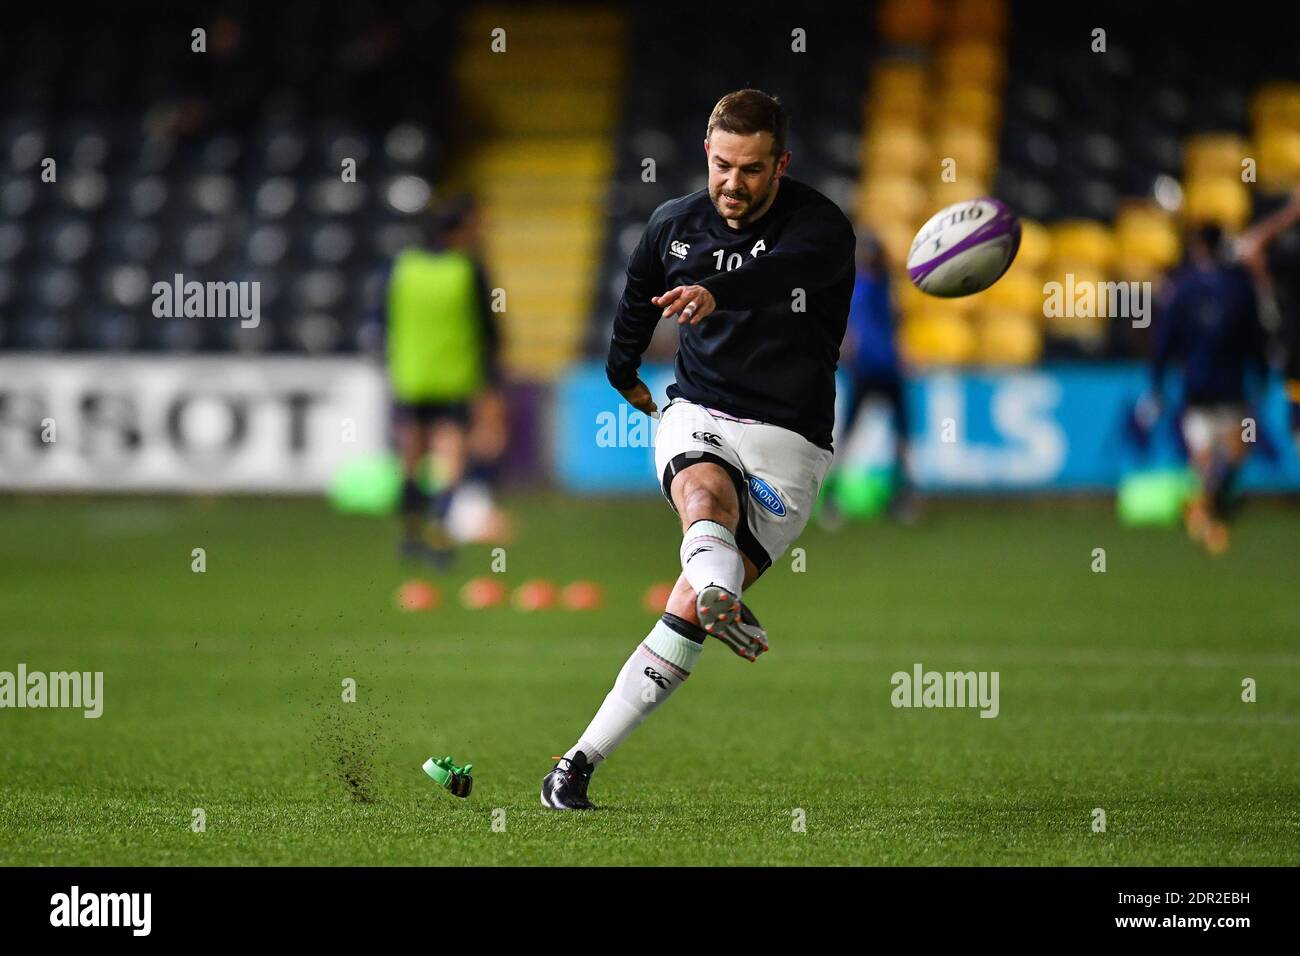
86	191
1222	200
970	105
69	241
1035	245
42	331
1279	156
1214	155
1020	291
896	239
281	150
973	151
212	194
13	240
1276	104
1083	241
57	288
317	333
896	149
129	238
201	243
8	290
220	154
25	141
111	330
330	243
966	187
909	22
153	154
1146	241
977	19
937	338
331	196
178	334
149	195
1007	338
887	199
266	247
19	197
125	286
1085	333
971	61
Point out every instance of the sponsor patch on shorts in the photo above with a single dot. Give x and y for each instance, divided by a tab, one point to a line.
766	496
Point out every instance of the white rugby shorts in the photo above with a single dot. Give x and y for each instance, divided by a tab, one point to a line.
1206	427
777	472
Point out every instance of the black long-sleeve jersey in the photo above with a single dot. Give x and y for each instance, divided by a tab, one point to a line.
782	285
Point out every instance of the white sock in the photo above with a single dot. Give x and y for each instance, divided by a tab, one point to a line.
709	556
659	665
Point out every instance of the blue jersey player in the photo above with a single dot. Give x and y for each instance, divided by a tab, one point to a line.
1210	327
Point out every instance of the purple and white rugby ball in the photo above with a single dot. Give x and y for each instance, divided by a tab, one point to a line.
964	248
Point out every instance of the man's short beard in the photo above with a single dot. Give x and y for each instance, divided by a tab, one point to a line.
755	202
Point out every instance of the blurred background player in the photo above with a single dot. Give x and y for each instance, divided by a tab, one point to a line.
442	352
1210	327
872	362
1276	267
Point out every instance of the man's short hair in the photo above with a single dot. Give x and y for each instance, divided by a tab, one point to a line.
750	111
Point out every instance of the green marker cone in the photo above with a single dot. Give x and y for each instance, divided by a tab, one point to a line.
447	775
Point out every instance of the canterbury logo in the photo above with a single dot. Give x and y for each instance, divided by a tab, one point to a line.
708	438
678	249
657	677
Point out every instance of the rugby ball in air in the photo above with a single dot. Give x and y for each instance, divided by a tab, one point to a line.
964	248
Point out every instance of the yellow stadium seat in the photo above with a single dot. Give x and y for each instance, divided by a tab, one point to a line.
897	74
909	21
970	105
945	194
1007	337
1222	200
1035	245
1058	270
979	19
1083	240
974	151
1214	154
1146	240
897	112
1075	310
896	238
895	150
1139	270
971	61
1276	104
887	199
1020	290
910	300
918	302
902	99
937	338
1279	156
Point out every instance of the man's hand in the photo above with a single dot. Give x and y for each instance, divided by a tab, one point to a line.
638	396
689	303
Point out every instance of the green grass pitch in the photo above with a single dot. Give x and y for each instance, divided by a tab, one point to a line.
1119	690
